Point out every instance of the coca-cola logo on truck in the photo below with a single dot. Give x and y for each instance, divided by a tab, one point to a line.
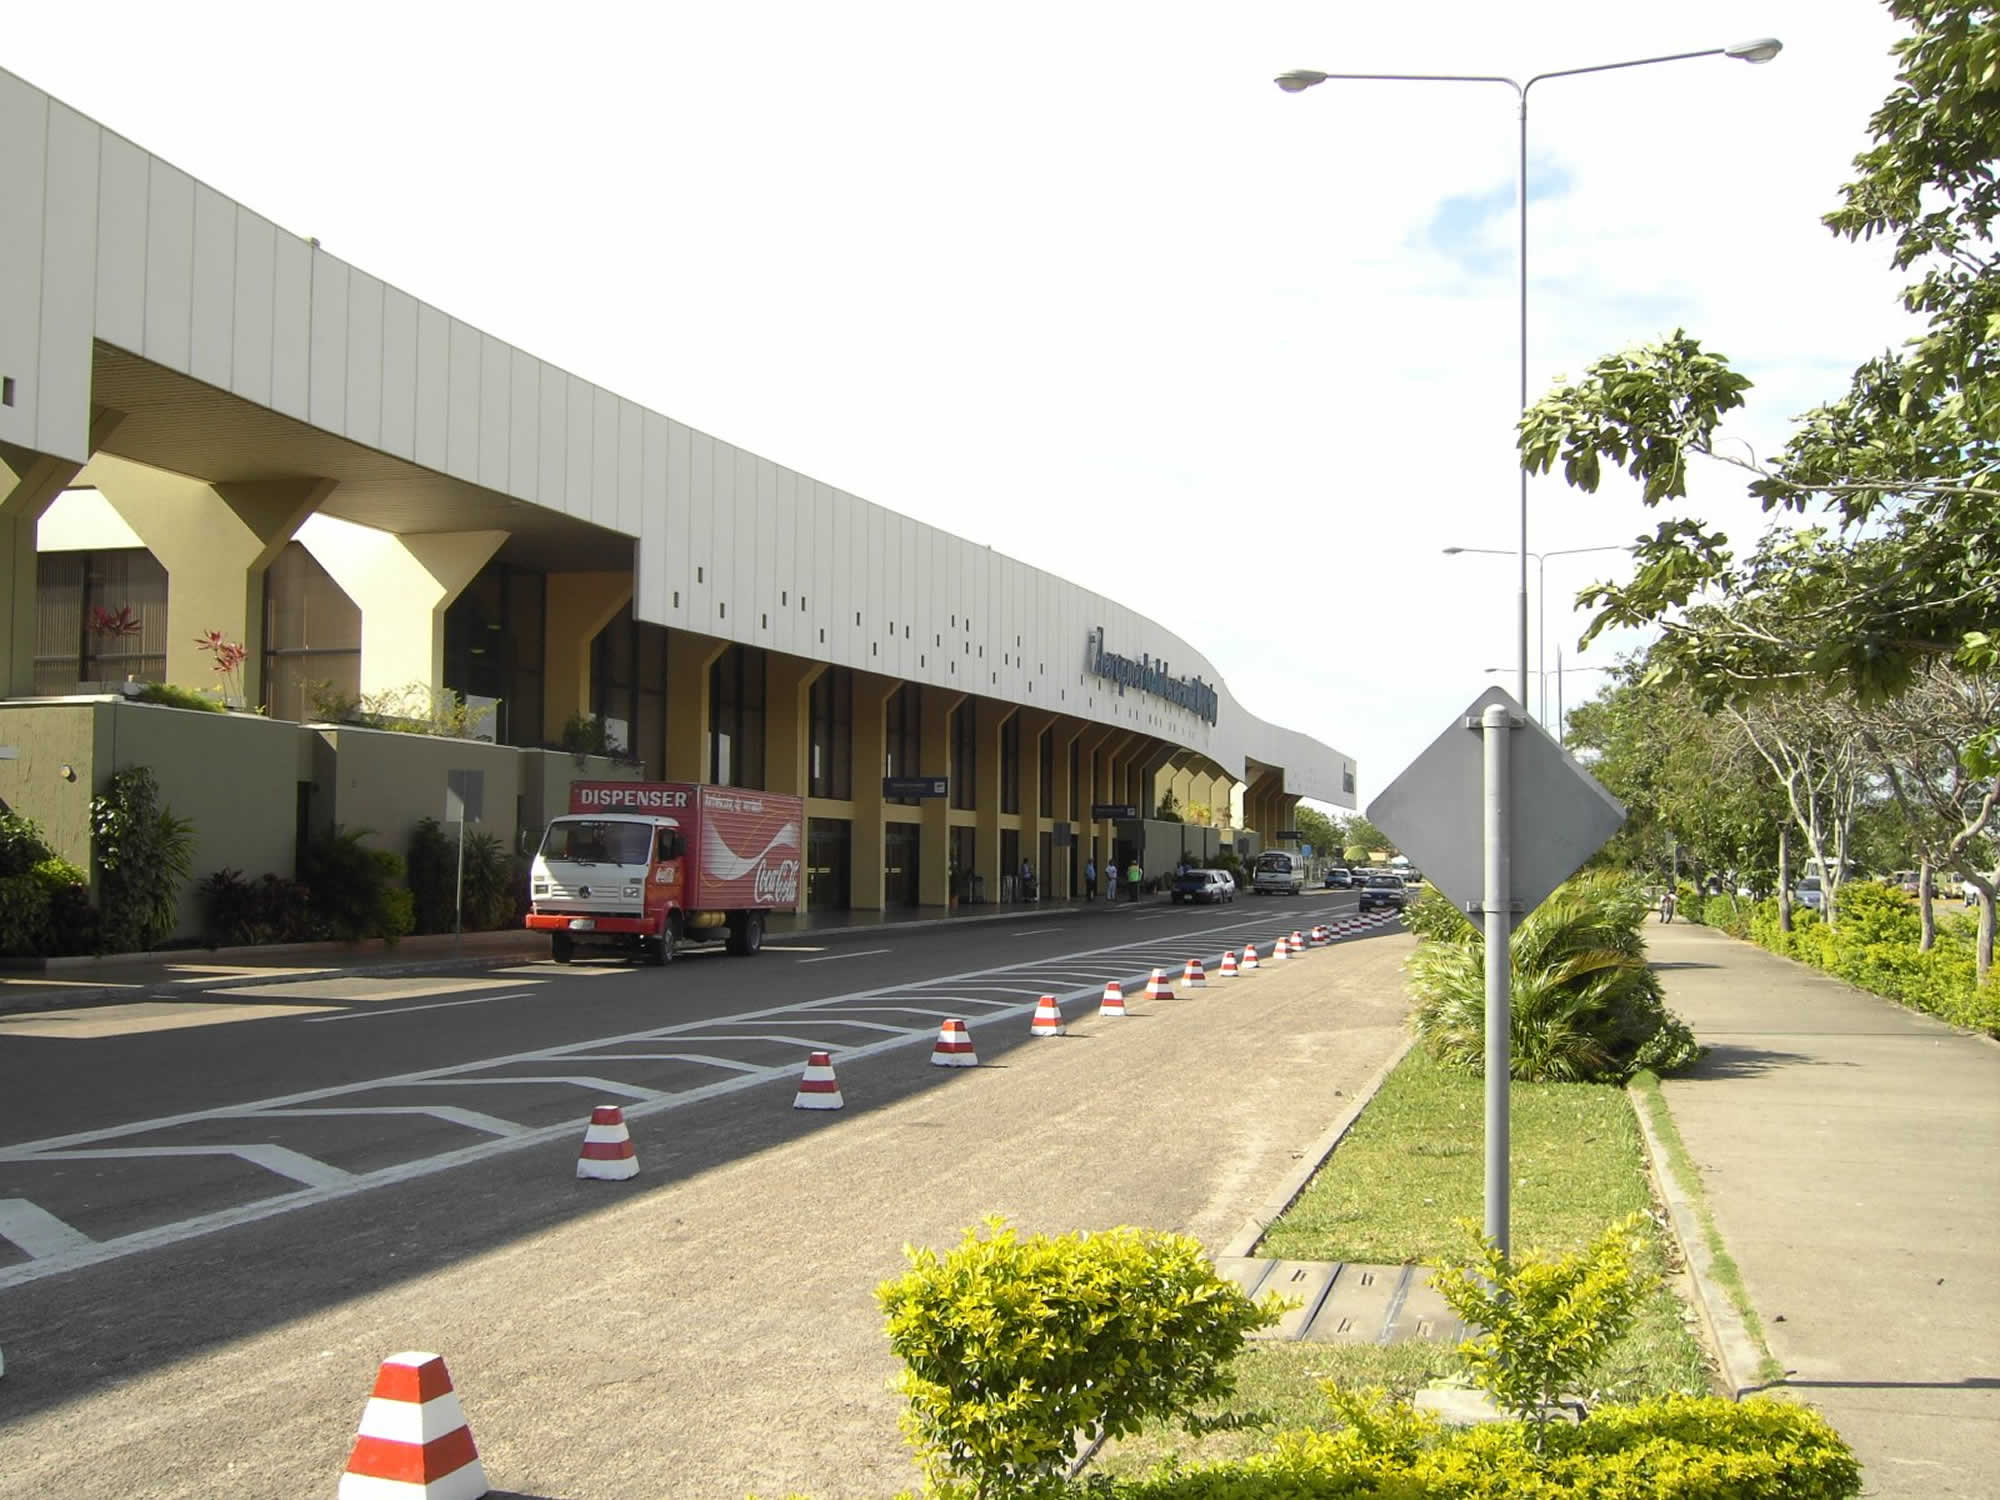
777	885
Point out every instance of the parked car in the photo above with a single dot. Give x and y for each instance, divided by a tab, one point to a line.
1339	878
1413	876
1808	893
1204	888
1383	891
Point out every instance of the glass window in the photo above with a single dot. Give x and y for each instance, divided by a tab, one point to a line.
904	737
832	748
964	770
312	637
736	717
1010	765
588	841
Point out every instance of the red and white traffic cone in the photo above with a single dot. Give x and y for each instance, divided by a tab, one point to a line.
1194	977
954	1047
1249	958
1298	943
1157	987
818	1088
1113	1003
607	1152
1228	969
1280	950
413	1443
1048	1018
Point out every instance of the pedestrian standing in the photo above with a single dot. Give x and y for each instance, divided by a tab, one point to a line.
1090	878
1133	876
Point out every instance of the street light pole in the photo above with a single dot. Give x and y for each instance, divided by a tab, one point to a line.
1760	50
1541	613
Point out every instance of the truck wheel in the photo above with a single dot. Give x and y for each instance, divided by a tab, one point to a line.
660	950
562	947
747	935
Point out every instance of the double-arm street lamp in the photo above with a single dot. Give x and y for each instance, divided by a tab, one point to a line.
1761	50
1562	729
1541	612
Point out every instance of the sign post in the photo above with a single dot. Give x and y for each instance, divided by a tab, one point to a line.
1540	815
464	798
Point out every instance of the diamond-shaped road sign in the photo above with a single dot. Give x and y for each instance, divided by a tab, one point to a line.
1435	810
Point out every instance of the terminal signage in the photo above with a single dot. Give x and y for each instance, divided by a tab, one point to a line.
916	786
1102	810
1148	676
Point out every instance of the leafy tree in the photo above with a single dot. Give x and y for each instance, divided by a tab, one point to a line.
1903	468
1317	829
1361	834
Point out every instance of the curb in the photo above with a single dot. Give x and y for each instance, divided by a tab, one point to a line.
1736	1352
1254	1227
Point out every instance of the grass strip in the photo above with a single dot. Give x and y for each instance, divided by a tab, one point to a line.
1412	1166
1647	1088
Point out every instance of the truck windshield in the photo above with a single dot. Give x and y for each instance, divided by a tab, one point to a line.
1275	864
586	841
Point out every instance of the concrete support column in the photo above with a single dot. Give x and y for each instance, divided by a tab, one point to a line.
934	759
1033	722
871	737
1069	861
788	682
688	659
989	714
29	484
1090	832
579	606
402	585
214	541
1285	806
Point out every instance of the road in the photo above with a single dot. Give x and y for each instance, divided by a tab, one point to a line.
220	1224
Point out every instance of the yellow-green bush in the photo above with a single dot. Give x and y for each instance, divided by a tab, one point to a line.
1018	1351
1685	1447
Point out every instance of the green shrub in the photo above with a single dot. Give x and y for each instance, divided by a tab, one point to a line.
169	696
1586	1008
433	875
238	913
1017	1351
1686	1447
357	892
45	908
1432	916
144	856
434	879
1546	1321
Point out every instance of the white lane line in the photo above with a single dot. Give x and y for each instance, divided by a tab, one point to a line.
36	1232
1034	930
599	1085
836	957
687	1057
279	1159
404	1010
471	1119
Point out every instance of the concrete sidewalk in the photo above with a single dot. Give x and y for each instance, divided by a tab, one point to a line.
1850	1153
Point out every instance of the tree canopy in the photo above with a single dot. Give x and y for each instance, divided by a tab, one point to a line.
1900	474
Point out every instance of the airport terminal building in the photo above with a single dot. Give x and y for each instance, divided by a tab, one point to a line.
210	425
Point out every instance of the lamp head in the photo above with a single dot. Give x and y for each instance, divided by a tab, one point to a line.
1300	79
1757	50
1453	551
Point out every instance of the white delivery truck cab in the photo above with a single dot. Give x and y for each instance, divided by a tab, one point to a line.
1278	872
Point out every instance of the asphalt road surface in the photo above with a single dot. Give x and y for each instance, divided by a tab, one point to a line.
217	1214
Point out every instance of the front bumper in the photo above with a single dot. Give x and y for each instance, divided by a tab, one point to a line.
591	923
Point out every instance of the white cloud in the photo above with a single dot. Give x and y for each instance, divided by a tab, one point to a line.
1077	280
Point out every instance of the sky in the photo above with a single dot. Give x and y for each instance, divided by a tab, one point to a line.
1077	281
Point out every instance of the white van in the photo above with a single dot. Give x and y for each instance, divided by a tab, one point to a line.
1278	873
